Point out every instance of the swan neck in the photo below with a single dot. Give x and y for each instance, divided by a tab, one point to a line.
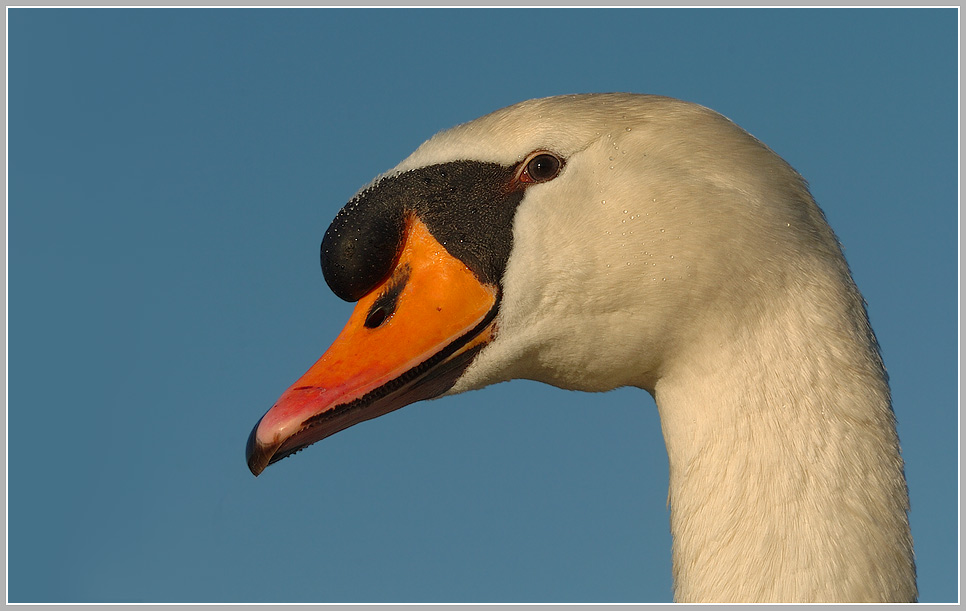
786	482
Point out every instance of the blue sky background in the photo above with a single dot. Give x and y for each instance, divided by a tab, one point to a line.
171	173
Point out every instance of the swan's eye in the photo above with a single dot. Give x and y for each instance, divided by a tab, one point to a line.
541	168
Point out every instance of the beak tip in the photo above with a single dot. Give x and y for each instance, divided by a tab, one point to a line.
257	455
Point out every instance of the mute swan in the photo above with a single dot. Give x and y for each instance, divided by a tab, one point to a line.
605	240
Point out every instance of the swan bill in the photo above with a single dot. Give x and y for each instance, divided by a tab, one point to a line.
409	339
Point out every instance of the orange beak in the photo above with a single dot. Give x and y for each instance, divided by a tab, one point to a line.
408	339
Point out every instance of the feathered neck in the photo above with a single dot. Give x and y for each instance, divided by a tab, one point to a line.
786	482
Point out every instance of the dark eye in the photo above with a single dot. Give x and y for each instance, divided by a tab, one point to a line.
541	168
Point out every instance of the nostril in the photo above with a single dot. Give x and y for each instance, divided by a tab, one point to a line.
376	317
384	306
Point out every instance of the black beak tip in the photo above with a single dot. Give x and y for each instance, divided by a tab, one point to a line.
257	455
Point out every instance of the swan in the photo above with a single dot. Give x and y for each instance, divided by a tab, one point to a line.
605	240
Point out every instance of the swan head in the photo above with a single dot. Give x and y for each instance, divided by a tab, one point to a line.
583	241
